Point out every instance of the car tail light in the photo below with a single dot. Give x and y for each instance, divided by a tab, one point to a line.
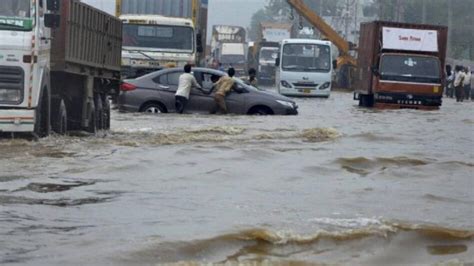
127	87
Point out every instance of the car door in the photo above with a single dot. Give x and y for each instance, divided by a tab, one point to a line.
167	85
235	100
199	101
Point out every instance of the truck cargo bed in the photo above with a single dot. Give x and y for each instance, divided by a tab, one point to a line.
88	41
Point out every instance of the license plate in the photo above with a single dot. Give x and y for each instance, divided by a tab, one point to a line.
307	91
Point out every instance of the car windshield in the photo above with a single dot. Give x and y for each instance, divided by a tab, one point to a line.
232	59
269	54
424	69
306	57
175	38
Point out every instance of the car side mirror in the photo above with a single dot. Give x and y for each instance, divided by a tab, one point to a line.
52	20
277	61
53	5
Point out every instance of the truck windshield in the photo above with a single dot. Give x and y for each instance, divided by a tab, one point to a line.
424	69
15	15
269	54
306	57
233	59
173	38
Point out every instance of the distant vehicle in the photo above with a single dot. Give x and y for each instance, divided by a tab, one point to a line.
159	34
155	93
229	47
304	68
401	65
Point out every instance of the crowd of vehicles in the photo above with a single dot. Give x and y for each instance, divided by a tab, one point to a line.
61	61
155	93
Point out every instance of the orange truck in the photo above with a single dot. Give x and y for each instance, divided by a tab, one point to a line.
400	65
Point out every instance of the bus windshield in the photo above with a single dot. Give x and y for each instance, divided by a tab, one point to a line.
306	57
173	38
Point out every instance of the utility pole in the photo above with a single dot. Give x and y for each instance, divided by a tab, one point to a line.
450	26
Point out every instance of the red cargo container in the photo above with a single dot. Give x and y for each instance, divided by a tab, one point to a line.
400	65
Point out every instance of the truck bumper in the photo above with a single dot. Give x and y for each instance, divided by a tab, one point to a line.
408	100
17	120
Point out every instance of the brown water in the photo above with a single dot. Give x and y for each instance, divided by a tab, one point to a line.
337	184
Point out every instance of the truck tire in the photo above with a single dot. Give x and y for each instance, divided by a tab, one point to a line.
366	100
43	111
106	108
99	112
59	117
92	127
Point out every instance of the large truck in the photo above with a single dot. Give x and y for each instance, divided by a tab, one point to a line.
401	65
161	33
229	47
59	61
265	50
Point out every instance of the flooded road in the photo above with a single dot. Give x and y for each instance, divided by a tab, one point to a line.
337	184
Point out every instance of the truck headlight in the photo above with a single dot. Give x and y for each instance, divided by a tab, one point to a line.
325	86
286	104
285	84
10	95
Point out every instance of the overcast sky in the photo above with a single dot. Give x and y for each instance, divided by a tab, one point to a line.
227	12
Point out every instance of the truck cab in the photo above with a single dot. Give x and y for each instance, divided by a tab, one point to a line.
23	65
304	68
153	42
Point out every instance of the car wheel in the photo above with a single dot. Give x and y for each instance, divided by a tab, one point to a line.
153	108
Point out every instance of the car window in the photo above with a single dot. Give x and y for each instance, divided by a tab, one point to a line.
173	78
162	79
208	81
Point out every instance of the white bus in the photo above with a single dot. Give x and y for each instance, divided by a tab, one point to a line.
304	68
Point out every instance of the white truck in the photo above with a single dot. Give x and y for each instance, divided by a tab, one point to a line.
59	61
161	33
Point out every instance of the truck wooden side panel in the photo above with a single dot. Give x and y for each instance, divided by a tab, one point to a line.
88	41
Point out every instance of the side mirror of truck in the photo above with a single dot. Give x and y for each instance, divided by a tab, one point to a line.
199	47
53	5
52	20
375	71
277	62
334	64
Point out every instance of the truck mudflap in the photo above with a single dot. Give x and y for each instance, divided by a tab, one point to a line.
17	120
409	101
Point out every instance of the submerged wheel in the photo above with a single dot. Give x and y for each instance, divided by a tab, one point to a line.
99	112
261	110
43	111
92	126
106	113
153	108
59	123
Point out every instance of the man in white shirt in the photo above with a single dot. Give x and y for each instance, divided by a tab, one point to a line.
459	83
186	82
467	84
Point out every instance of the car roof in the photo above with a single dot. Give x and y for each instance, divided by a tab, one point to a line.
177	69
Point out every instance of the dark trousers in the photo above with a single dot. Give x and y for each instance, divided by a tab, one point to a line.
467	92
459	90
180	103
220	104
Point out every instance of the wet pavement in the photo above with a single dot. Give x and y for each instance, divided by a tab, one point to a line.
336	184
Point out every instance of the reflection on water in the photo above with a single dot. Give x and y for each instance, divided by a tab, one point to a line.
335	185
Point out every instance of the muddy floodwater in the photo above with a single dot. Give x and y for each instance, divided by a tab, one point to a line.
336	184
